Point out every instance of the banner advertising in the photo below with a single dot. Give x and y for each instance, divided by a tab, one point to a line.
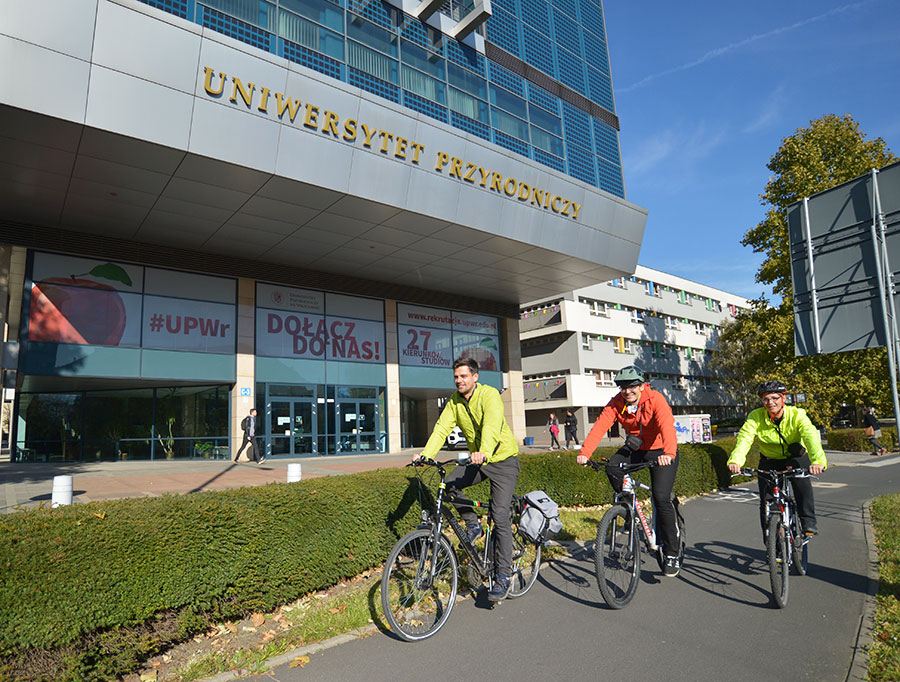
423	347
106	304
430	337
318	337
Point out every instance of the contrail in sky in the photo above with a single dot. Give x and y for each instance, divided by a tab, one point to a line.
712	54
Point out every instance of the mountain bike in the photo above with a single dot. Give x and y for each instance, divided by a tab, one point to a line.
617	549
786	543
420	579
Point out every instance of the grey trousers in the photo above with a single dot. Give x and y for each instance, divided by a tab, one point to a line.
503	477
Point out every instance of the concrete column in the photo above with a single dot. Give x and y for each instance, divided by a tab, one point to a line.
392	369
246	364
12	284
514	393
584	426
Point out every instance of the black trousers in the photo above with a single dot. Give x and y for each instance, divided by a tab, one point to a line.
503	476
253	454
803	491
662	480
570	435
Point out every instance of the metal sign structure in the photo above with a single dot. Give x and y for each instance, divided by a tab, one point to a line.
843	241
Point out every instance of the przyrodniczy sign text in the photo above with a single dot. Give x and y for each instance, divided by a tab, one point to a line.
351	131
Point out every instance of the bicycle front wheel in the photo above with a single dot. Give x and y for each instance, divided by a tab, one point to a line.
417	605
526	562
777	553
799	551
617	557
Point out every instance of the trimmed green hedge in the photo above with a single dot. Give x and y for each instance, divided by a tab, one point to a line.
89	590
854	440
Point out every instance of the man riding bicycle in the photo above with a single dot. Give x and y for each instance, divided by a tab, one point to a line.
650	436
787	439
478	411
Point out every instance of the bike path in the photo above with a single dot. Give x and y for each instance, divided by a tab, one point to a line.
715	621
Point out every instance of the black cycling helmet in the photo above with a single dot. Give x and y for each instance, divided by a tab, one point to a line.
774	386
629	376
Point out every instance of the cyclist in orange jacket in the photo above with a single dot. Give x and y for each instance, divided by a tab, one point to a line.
650	436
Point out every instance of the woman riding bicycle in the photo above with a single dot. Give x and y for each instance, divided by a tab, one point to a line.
650	435
787	439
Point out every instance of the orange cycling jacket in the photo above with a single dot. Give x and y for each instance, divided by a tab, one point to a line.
652	421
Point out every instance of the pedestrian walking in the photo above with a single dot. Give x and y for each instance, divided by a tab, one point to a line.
872	430
571	425
248	426
553	428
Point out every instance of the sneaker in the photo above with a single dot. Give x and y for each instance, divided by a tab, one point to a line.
500	588
671	567
473	532
810	530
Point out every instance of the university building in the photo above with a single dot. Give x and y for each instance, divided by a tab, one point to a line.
304	206
573	345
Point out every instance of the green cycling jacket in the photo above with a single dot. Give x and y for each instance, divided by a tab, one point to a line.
795	427
489	433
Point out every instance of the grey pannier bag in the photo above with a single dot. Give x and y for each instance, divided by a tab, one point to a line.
540	518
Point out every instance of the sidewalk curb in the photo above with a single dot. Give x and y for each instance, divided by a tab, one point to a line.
859	663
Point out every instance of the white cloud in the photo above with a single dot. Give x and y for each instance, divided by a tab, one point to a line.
719	51
770	111
672	152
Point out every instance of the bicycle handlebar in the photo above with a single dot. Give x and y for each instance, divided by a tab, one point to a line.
627	467
793	472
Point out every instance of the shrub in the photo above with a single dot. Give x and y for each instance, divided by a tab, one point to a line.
88	591
854	440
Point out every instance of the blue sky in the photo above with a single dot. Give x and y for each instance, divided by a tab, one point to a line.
707	90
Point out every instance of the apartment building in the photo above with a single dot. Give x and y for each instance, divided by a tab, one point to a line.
573	344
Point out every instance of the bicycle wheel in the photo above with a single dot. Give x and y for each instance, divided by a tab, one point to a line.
617	557
415	605
799	552
526	562
777	556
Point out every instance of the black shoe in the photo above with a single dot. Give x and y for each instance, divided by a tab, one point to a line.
671	567
473	532
500	588
810	530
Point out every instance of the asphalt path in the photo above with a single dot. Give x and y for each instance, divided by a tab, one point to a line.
715	621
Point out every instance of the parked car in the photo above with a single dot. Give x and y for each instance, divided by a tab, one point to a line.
456	439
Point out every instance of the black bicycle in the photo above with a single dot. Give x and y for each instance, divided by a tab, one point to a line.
786	543
420	579
617	549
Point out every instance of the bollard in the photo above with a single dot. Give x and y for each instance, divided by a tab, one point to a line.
294	473
62	491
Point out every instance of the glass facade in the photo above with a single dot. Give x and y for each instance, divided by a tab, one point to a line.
374	46
179	422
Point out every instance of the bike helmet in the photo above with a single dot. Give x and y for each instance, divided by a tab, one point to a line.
629	376
774	386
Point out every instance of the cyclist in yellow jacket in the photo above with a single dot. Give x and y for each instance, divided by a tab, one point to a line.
478	411
787	438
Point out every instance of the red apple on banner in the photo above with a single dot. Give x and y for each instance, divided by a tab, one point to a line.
76	310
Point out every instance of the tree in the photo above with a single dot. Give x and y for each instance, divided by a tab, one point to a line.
759	345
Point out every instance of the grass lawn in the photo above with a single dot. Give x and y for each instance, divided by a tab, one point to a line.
884	654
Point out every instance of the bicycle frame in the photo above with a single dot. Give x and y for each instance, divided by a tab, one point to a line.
627	498
783	501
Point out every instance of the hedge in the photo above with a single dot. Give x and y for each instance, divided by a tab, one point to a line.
854	440
88	591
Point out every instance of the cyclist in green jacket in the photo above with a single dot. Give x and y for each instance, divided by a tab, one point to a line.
478	411
787	438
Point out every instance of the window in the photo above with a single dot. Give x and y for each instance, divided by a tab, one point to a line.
684	297
619	282
671	322
623	345
637	316
700	327
598	308
651	289
659	350
586	341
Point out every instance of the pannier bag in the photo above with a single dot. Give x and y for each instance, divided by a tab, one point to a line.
540	518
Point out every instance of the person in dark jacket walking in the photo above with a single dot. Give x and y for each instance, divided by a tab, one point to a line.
571	424
872	431
248	425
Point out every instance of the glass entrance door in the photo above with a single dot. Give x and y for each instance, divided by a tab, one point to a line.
292	427
357	426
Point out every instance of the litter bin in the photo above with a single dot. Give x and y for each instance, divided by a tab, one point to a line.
528	440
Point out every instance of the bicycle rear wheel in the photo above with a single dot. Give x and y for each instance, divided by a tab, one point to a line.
777	555
617	557
526	562
799	551
416	605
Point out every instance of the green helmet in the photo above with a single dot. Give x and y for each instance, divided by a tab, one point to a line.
629	376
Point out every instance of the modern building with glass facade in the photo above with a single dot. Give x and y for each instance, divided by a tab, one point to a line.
574	343
303	206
